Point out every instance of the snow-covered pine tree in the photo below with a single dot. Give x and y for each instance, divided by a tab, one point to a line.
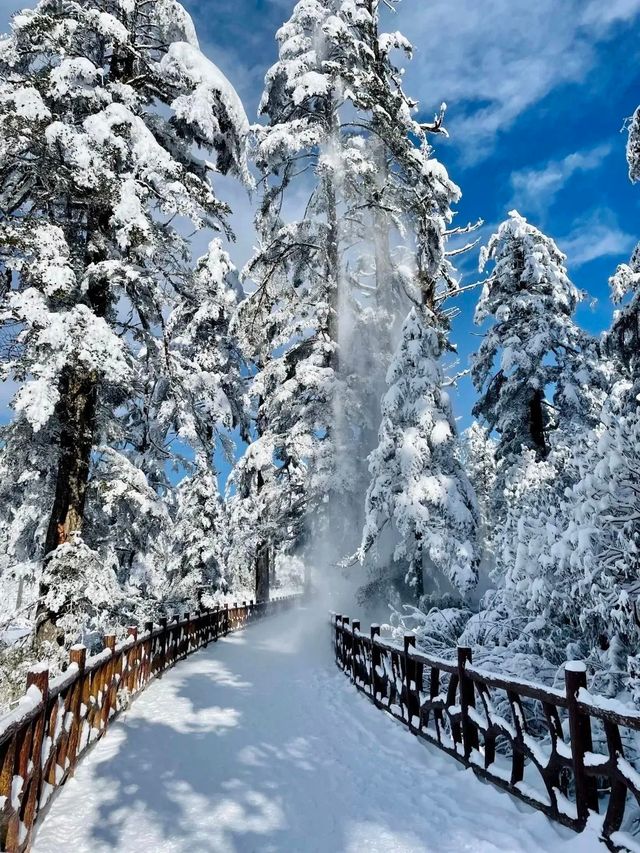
390	187
192	396
267	505
289	325
624	337
594	549
197	567
342	131
128	521
418	484
209	390
589	554
533	342
409	190
568	548
532	346
102	108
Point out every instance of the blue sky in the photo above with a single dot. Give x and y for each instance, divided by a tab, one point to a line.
537	95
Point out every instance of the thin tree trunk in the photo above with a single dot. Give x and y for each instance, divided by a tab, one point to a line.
262	572
382	253
333	256
536	424
262	562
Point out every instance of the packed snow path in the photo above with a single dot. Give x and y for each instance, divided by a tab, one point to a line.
258	743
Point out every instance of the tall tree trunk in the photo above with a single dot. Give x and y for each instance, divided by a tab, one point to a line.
76	411
76	416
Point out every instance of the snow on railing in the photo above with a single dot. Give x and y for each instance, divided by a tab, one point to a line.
561	751
54	723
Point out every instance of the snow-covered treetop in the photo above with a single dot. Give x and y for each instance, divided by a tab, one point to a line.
533	341
624	337
303	50
528	266
633	147
112	59
103	109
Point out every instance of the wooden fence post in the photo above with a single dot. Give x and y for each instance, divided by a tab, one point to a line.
409	679
216	622
132	660
109	678
37	677
355	626
345	641
467	700
9	818
206	626
148	653
186	636
164	622
336	636
375	663
78	656
575	676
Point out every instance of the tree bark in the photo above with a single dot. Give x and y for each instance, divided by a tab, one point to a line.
76	416
76	413
333	252
536	424
262	572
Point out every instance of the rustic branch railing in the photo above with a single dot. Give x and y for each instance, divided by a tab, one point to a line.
56	721
535	742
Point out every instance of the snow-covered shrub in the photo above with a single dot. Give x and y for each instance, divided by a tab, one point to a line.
437	629
83	590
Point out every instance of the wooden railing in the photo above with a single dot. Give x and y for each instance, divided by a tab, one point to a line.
561	751
57	720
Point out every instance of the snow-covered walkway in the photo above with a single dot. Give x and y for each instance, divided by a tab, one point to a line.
258	743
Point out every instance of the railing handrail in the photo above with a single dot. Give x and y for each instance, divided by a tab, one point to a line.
56	721
461	719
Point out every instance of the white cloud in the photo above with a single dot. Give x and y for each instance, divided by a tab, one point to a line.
492	61
604	14
596	236
534	189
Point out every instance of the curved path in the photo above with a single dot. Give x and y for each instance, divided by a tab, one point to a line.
258	743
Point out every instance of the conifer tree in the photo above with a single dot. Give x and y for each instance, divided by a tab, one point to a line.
288	326
624	337
197	566
532	343
417	482
341	129
103	106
